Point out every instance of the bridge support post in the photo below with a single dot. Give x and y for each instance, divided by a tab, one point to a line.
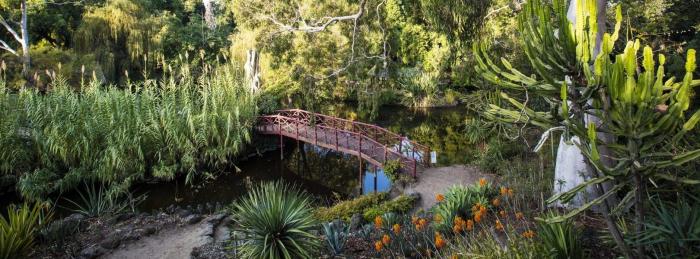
375	179
361	180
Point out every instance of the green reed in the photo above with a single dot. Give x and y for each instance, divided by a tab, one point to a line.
178	125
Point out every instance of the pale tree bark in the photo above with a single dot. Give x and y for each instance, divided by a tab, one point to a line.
22	38
252	70
209	14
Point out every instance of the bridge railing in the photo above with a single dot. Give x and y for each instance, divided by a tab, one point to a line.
329	132
402	144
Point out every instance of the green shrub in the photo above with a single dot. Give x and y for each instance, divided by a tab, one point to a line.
392	170
673	230
401	204
17	231
275	220
94	202
562	240
344	210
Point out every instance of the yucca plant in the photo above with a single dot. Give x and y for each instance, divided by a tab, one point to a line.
276	220
642	113
18	230
336	233
562	240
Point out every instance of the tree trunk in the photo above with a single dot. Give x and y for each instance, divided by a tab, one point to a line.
209	16
26	60
252	70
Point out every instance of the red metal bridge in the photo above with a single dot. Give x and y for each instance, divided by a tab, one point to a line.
371	143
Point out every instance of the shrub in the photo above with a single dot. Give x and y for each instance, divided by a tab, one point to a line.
673	231
392	170
275	220
562	239
401	204
18	230
459	201
336	233
344	210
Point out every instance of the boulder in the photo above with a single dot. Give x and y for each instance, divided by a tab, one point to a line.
92	252
193	219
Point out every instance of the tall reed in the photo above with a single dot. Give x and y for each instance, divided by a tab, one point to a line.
178	125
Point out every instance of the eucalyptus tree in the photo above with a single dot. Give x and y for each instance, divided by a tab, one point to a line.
594	90
16	11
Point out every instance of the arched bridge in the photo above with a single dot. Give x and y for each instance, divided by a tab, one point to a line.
371	143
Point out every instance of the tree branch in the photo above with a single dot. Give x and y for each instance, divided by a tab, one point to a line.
9	29
7	47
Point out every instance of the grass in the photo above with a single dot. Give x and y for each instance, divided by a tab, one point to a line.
18	230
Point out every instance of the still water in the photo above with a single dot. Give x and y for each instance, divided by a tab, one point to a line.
325	174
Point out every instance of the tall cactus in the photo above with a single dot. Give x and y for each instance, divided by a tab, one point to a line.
644	112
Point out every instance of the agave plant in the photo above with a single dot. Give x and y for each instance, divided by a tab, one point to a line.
276	221
673	230
642	112
18	230
336	233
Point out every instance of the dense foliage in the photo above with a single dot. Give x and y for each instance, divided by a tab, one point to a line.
19	229
179	125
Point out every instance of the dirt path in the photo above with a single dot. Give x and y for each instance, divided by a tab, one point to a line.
438	179
169	244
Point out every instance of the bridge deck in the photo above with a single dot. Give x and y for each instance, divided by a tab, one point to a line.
371	143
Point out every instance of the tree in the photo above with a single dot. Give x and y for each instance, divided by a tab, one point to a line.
644	112
22	37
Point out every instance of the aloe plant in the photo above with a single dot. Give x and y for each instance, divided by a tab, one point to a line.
336	233
642	112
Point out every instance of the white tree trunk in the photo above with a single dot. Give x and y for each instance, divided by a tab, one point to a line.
252	70
571	169
26	60
209	16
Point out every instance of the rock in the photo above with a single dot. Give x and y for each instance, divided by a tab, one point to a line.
200	208
92	252
162	215
111	242
193	219
210	207
171	209
149	230
182	213
356	222
215	219
124	216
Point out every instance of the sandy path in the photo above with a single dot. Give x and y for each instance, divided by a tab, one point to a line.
438	179
169	244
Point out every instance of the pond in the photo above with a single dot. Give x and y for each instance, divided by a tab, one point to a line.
325	174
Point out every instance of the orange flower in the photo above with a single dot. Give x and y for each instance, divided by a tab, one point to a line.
529	234
454	256
386	239
439	242
482	210
397	229
504	191
470	224
502	213
378	245
414	220
510	192
439	197
499	226
519	216
457	229
378	222
482	182
477	216
421	224
496	202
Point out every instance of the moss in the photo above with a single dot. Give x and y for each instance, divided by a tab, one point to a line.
344	210
401	204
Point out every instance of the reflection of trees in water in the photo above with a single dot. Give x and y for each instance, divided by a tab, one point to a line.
336	171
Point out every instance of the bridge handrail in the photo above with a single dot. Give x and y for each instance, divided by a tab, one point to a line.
416	146
407	162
